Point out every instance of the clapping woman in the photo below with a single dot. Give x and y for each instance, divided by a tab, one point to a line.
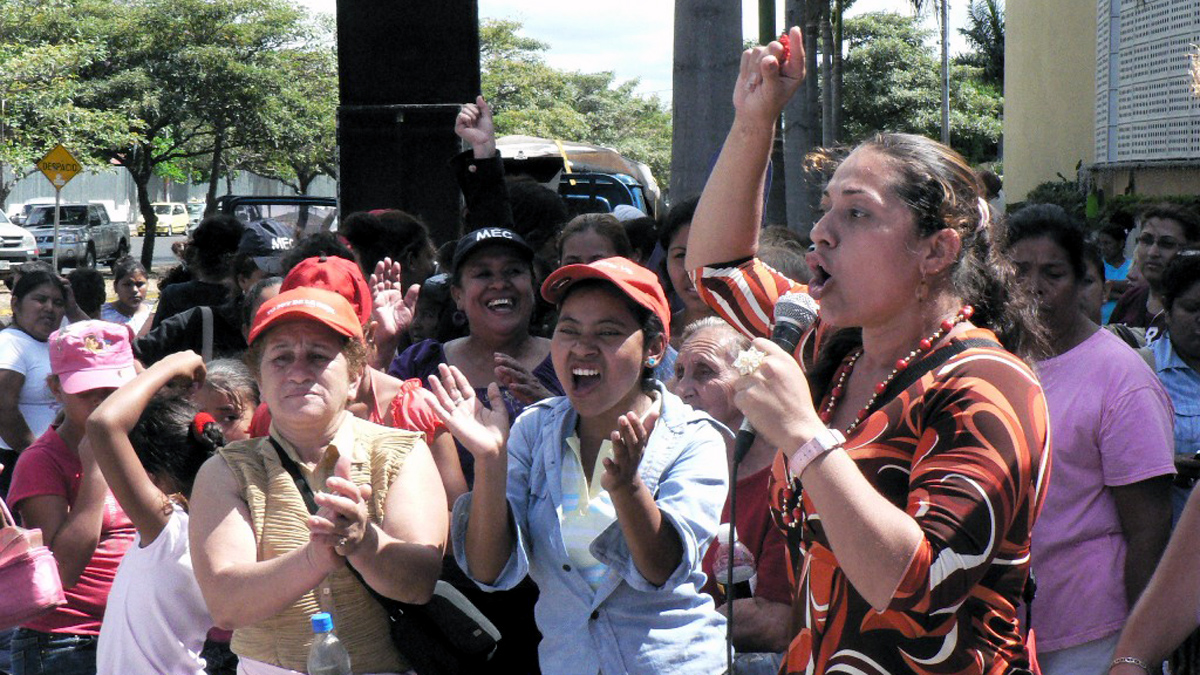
604	497
264	564
907	491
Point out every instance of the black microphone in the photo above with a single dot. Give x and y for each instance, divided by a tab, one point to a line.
794	314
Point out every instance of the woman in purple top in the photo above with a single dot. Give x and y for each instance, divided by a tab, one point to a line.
492	285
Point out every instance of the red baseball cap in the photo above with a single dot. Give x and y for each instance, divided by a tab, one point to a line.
313	304
638	283
90	355
335	274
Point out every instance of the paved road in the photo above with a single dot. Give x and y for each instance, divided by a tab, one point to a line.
162	249
163	260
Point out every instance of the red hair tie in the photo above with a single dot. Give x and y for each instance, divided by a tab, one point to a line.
201	420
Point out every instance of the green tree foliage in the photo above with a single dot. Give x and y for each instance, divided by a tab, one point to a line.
298	139
892	83
534	99
38	85
985	35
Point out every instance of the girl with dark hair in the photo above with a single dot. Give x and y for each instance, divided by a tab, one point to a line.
1107	513
230	395
590	237
912	457
149	450
604	497
26	405
129	281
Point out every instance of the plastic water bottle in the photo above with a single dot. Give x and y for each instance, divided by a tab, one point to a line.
745	575
327	656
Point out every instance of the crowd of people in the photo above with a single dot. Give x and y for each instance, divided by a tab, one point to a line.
972	462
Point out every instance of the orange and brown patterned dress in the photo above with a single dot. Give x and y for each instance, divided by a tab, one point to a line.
964	451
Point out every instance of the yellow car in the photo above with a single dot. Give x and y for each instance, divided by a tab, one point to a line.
172	219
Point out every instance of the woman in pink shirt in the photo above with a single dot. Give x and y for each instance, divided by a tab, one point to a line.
1107	514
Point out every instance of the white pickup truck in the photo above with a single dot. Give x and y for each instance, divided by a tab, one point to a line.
85	234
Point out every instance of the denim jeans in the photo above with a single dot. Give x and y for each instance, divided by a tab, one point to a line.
37	653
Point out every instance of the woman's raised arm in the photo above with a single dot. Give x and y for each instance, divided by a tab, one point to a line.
108	429
727	219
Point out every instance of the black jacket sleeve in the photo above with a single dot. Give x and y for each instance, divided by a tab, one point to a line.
484	191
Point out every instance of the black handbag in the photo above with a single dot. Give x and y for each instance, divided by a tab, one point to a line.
446	636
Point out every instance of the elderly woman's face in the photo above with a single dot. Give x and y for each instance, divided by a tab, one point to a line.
704	375
865	262
304	373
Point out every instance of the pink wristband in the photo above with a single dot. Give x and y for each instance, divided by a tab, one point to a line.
828	439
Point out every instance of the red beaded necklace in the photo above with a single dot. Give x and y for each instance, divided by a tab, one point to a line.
923	347
790	512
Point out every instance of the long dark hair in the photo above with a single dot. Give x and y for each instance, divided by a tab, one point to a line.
168	444
942	191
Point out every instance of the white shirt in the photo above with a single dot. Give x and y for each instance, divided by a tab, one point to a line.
156	619
108	312
31	358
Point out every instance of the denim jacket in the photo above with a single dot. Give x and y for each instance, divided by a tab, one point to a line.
627	625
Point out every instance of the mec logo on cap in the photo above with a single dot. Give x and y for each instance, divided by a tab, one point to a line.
492	232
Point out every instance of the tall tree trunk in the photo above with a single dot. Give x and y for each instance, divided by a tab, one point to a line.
945	21
775	208
708	47
839	7
214	168
800	131
827	135
812	80
151	219
5	189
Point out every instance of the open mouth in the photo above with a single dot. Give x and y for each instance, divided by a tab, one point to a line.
501	305
584	380
817	281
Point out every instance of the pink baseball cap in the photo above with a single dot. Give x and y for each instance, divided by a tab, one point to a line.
92	355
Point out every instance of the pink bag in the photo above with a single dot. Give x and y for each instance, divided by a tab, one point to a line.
28	574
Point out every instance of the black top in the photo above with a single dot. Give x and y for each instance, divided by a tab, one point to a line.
186	295
186	331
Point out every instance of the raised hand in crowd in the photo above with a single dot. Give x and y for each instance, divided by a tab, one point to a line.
392	310
475	126
482	431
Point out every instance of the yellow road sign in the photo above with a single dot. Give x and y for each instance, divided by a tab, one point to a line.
60	166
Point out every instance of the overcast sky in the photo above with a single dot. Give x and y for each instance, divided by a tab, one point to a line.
633	38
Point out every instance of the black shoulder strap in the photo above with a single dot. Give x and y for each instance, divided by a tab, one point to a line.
306	493
917	370
293	470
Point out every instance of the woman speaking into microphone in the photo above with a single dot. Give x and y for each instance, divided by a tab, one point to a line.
912	457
